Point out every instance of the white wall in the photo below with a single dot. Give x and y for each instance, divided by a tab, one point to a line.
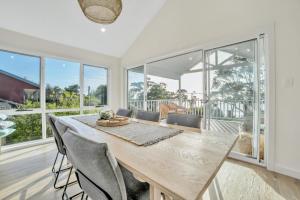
13	41
182	24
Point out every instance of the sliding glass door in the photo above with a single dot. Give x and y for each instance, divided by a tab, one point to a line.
170	84
234	86
224	85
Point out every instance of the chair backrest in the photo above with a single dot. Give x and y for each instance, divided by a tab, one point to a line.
124	112
193	121
149	116
62	126
98	172
57	137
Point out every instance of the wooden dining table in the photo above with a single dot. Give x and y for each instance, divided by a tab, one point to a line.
180	167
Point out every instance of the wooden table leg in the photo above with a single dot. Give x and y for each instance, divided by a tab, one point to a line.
155	193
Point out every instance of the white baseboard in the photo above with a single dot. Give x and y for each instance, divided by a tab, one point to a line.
287	171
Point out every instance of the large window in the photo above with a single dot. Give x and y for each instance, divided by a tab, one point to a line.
19	81
95	86
26	128
24	106
173	83
62	84
19	95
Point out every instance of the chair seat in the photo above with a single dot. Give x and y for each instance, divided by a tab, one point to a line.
136	190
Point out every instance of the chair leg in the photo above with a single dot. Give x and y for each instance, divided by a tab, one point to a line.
65	195
66	185
59	172
82	195
53	167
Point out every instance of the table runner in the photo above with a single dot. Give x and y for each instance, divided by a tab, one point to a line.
136	132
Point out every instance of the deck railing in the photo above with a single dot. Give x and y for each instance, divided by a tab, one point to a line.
191	107
219	109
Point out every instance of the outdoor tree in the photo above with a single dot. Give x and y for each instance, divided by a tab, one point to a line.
97	97
136	91
73	89
235	85
158	91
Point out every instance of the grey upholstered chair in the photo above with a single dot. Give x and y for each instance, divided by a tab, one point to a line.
184	120
124	112
149	116
98	173
52	120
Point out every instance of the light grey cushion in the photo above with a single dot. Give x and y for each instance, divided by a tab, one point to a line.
124	112
99	171
96	162
184	120
62	126
58	140
149	116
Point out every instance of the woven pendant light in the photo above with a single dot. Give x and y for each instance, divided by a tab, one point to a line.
101	11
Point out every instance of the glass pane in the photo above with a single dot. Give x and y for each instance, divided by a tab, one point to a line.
22	128
175	84
19	81
232	92
95	86
62	84
49	131
94	111
135	87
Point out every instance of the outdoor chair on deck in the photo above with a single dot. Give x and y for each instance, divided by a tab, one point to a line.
165	109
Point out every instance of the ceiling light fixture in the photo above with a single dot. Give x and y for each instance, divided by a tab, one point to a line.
103	29
101	11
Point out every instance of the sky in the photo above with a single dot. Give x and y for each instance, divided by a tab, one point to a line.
57	72
23	66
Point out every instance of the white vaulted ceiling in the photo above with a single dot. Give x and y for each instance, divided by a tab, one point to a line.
62	21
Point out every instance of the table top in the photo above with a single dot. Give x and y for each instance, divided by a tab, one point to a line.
182	166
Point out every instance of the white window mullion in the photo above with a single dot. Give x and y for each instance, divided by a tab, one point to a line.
43	99
145	87
81	88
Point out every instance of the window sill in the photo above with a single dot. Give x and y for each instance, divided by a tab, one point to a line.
23	145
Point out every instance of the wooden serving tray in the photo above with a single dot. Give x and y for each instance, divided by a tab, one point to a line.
117	121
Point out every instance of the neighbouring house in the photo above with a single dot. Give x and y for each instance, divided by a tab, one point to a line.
16	89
